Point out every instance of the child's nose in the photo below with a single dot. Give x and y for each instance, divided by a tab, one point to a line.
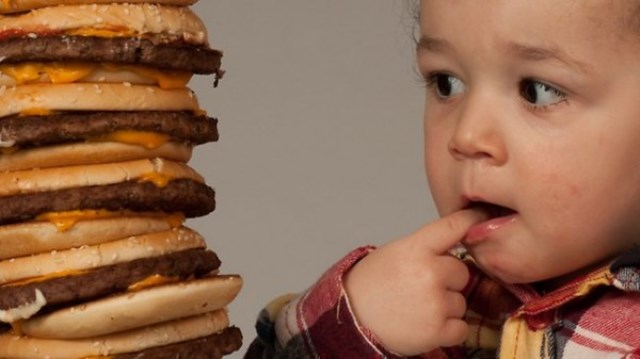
478	135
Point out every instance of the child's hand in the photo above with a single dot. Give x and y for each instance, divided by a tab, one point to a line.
407	292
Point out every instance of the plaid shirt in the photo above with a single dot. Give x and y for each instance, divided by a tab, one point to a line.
595	316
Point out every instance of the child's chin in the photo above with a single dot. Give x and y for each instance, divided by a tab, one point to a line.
509	273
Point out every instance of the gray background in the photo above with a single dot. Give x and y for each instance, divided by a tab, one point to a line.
321	139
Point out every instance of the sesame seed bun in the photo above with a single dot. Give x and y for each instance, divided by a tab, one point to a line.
138	18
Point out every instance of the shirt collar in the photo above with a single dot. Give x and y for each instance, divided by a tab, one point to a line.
540	308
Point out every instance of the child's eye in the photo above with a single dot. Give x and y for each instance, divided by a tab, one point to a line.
445	85
540	94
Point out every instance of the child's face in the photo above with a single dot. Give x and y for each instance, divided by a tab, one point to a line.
535	106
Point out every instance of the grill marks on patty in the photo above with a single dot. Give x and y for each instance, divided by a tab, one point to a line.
33	131
192	198
176	55
211	347
111	279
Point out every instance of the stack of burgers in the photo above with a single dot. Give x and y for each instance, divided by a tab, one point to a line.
96	128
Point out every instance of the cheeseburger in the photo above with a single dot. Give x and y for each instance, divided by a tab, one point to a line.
97	127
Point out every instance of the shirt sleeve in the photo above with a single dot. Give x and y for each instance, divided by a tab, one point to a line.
319	323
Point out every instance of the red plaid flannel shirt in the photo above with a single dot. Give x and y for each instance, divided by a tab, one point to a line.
595	316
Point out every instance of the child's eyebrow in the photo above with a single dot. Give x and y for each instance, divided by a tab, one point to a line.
432	44
521	51
536	53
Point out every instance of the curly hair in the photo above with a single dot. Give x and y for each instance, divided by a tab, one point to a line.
413	10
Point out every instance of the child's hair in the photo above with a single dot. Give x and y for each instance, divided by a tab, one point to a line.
412	8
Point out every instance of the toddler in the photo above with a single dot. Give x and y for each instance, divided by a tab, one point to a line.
532	153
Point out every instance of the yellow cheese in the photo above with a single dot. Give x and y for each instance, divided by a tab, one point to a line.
105	32
148	140
67	73
36	112
59	73
22	73
175	220
66	220
159	179
152	281
166	79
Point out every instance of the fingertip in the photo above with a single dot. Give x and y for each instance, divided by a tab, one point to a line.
450	230
472	215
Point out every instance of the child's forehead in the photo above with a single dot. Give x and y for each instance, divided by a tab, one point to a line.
616	20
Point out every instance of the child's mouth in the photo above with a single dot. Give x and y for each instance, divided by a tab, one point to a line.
491	209
499	216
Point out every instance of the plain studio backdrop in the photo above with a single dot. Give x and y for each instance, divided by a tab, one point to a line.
320	150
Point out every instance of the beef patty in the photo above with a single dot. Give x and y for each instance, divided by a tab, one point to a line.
211	347
100	282
177	55
192	198
66	127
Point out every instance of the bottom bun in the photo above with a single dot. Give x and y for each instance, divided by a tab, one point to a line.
133	341
135	309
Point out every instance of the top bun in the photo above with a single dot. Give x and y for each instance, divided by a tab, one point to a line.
13	6
162	23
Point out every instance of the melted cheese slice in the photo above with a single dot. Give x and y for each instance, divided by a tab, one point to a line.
152	281
160	180
166	79
63	73
148	140
64	221
36	111
103	32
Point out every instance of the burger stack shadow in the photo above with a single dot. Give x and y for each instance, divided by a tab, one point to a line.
97	125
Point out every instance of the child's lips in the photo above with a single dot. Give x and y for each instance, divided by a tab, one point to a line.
498	216
481	231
